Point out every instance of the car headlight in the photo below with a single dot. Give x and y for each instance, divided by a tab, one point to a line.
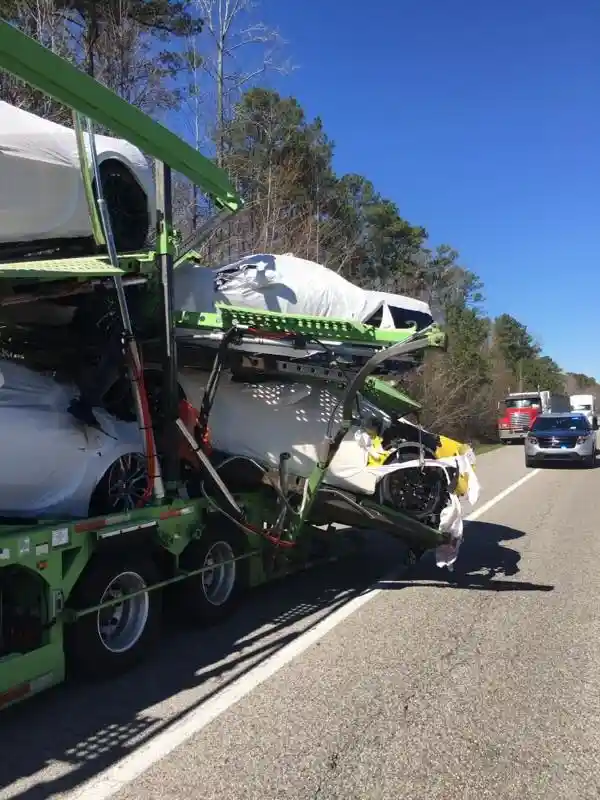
532	440
583	439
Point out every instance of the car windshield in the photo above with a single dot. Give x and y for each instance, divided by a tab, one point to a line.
522	402
566	423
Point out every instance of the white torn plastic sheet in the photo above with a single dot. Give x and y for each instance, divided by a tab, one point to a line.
41	188
451	521
288	284
263	420
465	463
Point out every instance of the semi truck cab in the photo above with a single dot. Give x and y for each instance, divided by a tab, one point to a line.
519	410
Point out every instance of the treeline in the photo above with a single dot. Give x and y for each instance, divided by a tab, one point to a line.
175	60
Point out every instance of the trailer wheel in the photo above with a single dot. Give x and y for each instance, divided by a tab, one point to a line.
112	640
211	596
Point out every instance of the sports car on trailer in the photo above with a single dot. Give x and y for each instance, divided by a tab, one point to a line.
57	465
291	285
42	197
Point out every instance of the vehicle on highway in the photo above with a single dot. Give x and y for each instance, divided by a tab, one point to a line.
519	409
585	404
561	437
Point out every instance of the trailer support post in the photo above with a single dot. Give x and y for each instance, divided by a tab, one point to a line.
164	221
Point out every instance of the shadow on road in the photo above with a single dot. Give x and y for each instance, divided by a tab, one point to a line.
482	557
89	728
567	465
483	585
483	548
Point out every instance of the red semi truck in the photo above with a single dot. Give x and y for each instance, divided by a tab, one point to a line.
519	410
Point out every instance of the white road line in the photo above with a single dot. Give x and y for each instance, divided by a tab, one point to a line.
509	490
115	778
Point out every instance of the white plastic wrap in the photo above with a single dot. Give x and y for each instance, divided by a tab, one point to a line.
50	462
23	388
286	284
451	521
41	189
263	420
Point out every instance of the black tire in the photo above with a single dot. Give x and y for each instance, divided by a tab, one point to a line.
194	599
590	461
127	205
530	463
430	499
414	554
90	653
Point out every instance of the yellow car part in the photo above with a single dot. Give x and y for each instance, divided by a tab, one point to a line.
377	454
447	449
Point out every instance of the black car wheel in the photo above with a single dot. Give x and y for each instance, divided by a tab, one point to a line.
123	487
127	205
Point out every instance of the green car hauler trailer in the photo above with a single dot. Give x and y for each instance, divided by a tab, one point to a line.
85	594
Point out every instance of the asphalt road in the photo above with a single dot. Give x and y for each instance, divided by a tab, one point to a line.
484	684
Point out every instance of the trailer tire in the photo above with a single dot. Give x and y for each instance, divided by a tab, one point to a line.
91	652
208	598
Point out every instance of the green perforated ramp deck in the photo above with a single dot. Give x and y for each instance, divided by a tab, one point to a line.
275	323
85	267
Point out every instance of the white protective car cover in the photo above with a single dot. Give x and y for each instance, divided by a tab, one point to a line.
286	284
41	189
263	420
49	461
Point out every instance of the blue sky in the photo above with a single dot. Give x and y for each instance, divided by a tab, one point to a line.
481	120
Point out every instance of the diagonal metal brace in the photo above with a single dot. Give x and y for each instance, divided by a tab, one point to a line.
429	337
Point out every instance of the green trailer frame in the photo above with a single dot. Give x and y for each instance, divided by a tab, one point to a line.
52	559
